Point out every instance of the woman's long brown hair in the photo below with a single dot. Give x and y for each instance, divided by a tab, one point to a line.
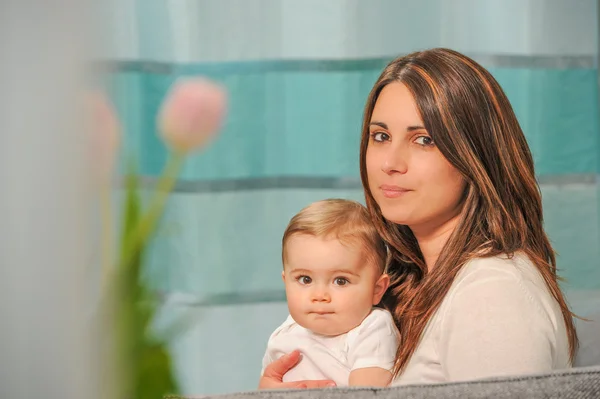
470	119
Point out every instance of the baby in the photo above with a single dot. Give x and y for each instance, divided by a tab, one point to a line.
334	273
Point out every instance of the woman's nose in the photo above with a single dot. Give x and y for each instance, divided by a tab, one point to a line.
393	161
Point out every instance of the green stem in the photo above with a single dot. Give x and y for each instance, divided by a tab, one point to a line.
148	221
107	232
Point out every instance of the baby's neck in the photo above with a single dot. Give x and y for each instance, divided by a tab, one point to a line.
333	337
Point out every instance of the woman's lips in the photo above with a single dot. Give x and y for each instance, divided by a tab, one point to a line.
390	191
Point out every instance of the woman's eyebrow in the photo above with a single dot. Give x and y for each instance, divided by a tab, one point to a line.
408	129
380	124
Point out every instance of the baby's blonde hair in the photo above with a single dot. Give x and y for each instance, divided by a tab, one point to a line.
344	220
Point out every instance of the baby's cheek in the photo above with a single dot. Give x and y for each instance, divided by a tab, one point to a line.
359	301
294	299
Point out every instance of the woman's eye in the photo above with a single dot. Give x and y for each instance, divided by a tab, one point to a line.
380	136
424	140
340	281
304	280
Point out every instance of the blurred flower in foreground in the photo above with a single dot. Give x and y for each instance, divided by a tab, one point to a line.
191	114
105	133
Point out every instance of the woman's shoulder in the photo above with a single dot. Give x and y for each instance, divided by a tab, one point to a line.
498	308
516	268
501	280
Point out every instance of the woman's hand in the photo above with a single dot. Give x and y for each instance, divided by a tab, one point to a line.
273	375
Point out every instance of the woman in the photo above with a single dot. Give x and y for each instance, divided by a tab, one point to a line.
449	182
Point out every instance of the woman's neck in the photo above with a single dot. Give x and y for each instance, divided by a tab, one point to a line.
432	239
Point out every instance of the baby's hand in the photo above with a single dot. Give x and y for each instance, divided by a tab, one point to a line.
272	378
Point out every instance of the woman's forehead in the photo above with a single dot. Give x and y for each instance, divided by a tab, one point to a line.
396	108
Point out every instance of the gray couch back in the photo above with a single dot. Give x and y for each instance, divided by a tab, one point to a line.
578	383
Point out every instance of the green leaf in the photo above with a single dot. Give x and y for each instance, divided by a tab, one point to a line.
146	362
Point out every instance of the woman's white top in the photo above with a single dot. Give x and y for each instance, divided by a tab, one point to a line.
497	319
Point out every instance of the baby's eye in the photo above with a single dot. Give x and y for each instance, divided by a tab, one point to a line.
340	281
304	280
425	141
380	136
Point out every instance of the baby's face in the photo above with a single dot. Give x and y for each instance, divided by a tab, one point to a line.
330	287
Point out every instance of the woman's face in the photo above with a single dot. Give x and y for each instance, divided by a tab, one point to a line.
410	179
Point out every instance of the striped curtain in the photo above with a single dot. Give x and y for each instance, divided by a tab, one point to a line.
298	73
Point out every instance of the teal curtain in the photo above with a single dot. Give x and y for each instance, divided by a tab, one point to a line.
298	73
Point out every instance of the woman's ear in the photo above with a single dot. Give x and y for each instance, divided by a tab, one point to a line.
381	286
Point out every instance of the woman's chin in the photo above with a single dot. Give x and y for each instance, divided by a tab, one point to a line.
397	216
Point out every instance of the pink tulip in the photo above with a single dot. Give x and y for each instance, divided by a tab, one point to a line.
105	132
192	114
